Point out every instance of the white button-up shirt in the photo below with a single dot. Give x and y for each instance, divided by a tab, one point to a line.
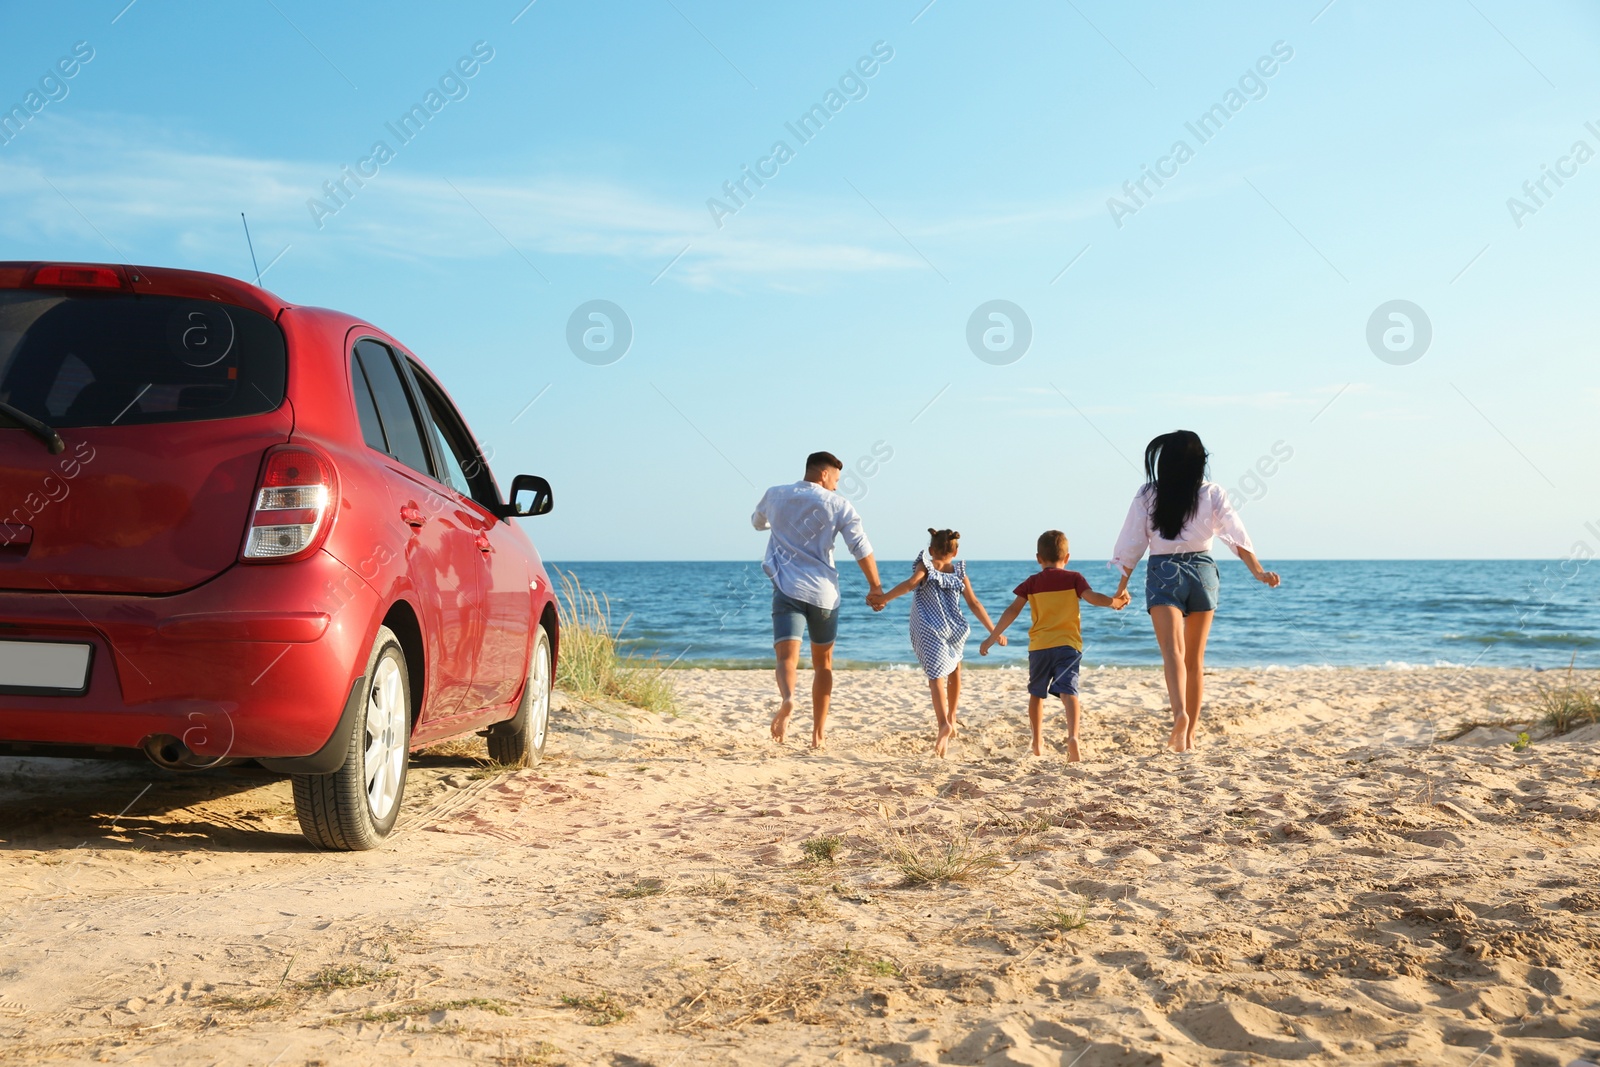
1213	517
805	519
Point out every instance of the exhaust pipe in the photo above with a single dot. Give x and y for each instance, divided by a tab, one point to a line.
168	752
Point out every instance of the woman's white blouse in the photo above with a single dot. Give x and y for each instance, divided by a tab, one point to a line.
1213	517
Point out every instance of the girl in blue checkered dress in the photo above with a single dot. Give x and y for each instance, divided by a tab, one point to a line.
938	584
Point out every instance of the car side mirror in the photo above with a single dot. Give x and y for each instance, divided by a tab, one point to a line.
530	495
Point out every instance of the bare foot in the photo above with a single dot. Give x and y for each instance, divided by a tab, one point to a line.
1038	749
1072	750
955	727
942	742
1178	741
816	742
780	721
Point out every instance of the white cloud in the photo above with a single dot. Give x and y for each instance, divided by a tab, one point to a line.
151	189
146	194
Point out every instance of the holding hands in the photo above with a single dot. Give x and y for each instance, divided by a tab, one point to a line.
877	598
1121	597
994	638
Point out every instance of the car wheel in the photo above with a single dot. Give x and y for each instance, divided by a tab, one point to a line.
355	807
519	741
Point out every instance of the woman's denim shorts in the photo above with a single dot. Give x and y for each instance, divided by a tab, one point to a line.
1184	580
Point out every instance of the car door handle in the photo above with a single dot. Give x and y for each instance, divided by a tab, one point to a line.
482	542
15	538
411	515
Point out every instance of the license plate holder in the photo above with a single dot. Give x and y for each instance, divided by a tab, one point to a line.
45	668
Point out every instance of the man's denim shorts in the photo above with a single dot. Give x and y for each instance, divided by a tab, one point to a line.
1184	580
791	619
1053	671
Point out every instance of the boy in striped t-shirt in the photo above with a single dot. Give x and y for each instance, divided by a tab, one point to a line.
1055	637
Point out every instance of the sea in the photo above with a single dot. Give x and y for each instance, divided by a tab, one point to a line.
1344	613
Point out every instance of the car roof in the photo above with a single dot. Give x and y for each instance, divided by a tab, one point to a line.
160	281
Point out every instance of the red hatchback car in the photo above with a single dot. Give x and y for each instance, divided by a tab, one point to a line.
235	529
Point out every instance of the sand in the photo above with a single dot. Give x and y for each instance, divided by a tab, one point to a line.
1320	880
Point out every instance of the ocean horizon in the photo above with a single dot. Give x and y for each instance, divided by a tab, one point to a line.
1337	613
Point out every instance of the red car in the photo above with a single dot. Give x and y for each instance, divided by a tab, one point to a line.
235	529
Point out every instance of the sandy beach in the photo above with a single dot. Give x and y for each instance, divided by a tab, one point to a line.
1323	879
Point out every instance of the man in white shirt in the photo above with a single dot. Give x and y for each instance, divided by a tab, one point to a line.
805	518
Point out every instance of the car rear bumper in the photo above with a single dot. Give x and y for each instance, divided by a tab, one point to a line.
259	662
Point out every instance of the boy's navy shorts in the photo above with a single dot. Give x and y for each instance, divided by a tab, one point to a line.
1053	671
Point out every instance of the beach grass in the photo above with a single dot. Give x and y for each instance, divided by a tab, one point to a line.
1567	704
823	848
411	1011
603	1008
931	859
591	667
346	976
1074	916
537	1055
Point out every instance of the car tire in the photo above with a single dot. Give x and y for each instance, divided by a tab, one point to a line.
520	740
356	806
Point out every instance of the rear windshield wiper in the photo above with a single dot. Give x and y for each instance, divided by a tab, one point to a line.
51	439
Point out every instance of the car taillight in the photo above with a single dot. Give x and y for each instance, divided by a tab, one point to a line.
66	275
294	505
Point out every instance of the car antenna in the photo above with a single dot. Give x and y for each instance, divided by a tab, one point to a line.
252	247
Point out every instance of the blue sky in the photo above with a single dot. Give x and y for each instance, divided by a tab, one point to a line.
831	309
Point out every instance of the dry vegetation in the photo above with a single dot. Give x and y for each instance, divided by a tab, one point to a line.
1567	704
591	667
1553	709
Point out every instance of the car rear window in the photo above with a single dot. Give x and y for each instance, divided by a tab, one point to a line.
71	359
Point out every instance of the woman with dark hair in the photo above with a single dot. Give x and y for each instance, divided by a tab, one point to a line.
1175	515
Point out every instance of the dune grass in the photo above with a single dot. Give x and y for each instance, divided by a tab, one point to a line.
591	667
1567	704
345	976
943	857
644	887
411	1011
823	848
603	1007
1073	916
